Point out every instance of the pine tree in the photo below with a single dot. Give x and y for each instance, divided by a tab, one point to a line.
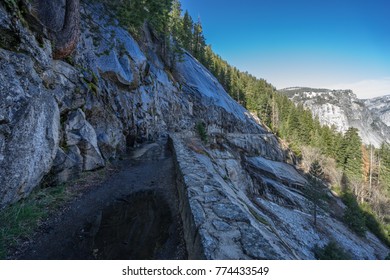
314	187
350	154
187	35
208	53
133	13
199	42
265	109
306	125
293	125
275	115
176	22
366	164
158	15
384	166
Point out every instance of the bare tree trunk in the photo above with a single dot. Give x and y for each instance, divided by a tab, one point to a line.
65	40
371	163
61	25
379	169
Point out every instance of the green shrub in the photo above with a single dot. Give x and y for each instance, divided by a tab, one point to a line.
331	251
354	216
11	4
201	129
19	220
376	227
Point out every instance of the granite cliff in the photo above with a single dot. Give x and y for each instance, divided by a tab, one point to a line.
342	109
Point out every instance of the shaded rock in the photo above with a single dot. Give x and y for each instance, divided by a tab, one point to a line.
255	246
119	56
198	212
118	69
283	172
230	212
221	226
211	198
8	39
209	243
264	144
109	130
67	165
16	37
51	13
79	132
30	150
29	134
208	189
199	81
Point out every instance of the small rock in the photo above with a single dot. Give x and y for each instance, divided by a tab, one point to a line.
198	213
208	188
210	243
230	212
221	226
211	198
256	246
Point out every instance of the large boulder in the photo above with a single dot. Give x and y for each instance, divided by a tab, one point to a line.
28	149
29	127
79	132
29	115
109	132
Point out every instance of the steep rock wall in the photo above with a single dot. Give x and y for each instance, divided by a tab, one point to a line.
108	95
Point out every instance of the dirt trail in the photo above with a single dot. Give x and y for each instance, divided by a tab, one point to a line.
132	215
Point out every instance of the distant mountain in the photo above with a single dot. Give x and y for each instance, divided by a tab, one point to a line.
343	109
380	108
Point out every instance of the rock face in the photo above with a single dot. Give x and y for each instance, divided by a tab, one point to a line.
29	124
240	194
343	109
237	206
380	108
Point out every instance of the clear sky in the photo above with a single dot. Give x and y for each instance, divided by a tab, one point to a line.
315	43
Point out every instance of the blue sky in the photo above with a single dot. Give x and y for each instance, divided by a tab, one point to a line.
327	43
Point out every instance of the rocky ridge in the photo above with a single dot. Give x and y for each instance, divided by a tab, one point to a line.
343	109
240	194
380	108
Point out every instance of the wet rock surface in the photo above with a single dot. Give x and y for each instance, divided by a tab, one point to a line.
132	215
136	228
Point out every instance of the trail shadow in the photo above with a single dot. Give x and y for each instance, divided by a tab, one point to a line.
134	228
